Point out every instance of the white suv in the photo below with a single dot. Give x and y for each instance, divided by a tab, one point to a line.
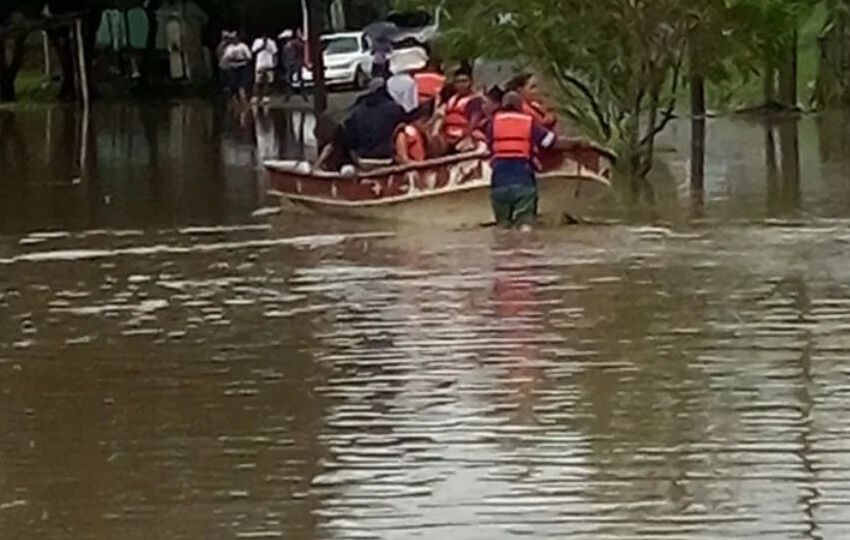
348	60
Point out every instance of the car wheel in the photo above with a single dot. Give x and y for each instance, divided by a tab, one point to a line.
361	79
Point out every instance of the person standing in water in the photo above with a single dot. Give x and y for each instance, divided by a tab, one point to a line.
513	136
264	49
293	63
236	58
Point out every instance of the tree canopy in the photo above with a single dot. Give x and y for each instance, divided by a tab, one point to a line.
617	67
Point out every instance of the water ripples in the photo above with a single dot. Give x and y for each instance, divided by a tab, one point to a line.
599	382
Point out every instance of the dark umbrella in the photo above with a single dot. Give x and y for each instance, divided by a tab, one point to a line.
381	31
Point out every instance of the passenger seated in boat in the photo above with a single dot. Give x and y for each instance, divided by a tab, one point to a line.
534	104
493	101
464	111
402	85
411	138
430	82
368	130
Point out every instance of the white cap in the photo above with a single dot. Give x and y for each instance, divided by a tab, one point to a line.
286	34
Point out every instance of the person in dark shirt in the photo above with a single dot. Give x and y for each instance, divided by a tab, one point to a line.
368	130
292	62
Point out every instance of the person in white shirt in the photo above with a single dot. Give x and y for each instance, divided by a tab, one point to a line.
265	54
236	60
402	86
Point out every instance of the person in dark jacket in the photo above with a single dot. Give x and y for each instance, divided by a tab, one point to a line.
369	128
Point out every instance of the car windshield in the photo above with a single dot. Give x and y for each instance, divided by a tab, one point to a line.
341	45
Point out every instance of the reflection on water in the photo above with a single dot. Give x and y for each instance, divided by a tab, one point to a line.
141	166
182	373
756	170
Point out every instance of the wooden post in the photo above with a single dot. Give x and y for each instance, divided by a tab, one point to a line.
320	94
81	62
84	95
45	45
84	142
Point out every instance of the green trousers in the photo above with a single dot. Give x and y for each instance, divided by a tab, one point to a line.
514	204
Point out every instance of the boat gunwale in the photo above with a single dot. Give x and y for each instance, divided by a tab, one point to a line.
412	197
382	172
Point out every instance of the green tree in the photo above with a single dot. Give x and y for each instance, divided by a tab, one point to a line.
833	83
615	66
13	32
773	43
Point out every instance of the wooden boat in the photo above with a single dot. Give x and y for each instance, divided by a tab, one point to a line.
451	191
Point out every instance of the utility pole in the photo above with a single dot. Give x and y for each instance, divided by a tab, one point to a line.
313	13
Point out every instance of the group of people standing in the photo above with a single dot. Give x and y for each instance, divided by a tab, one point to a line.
417	114
249	73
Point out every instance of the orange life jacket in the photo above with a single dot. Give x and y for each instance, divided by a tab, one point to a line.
456	123
428	85
414	142
512	135
538	112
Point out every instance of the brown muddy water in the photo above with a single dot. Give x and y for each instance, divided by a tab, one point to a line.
173	368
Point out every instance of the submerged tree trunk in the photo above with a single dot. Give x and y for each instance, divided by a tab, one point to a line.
789	156
697	79
769	84
697	96
697	183
788	98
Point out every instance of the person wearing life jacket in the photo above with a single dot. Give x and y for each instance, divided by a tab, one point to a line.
463	110
528	87
430	82
493	100
513	137
411	138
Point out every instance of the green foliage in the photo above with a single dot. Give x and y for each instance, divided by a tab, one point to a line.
616	66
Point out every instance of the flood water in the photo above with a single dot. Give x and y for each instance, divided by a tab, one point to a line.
173	368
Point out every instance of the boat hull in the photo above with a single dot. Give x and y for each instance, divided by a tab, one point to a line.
447	192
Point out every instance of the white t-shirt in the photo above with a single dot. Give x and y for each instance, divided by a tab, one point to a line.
402	88
266	50
236	55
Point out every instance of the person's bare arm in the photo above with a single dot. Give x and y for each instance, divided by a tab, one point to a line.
324	157
401	155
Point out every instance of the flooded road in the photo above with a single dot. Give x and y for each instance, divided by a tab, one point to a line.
171	367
